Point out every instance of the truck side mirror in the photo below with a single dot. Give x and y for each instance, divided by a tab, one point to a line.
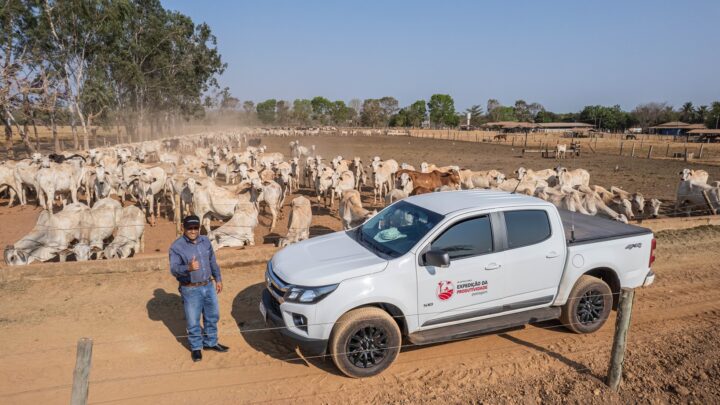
437	258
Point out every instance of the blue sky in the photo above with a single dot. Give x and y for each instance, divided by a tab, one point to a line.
562	54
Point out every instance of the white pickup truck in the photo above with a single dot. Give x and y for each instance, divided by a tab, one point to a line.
448	265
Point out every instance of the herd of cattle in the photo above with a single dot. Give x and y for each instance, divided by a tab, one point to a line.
232	178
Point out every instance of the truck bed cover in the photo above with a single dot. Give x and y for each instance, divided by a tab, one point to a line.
589	228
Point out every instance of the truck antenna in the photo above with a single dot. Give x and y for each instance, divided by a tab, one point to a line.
572	227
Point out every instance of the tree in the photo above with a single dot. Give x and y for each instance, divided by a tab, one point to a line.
302	111
282	111
700	114
712	118
416	114
476	115
266	111
248	107
687	112
340	114
611	118
372	114
492	104
227	101
650	114
389	106
442	110
321	109
522	112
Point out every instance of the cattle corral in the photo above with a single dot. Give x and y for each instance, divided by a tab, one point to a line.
550	364
654	178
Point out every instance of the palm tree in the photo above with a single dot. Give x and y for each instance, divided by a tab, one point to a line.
701	113
687	112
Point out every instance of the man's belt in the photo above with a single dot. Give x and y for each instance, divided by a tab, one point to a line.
198	284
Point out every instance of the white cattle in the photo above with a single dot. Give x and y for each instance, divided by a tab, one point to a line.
96	225
150	185
284	177
210	200
25	172
240	229
298	222
636	199
50	237
7	181
529	174
572	178
692	196
270	193
655	207
130	236
560	151
697	176
65	177
341	182
351	210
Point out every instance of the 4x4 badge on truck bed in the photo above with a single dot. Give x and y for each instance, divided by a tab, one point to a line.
633	245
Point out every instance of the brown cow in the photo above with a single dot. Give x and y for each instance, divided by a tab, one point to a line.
433	179
421	190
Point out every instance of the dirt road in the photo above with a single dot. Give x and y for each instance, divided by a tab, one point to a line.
673	355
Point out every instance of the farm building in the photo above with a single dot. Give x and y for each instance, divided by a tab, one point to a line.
674	128
705	135
564	127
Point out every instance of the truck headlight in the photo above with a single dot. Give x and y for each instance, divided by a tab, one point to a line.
308	295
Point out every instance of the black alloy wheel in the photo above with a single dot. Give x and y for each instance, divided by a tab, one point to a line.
590	307
367	347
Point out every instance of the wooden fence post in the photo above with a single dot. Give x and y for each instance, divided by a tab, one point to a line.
707	200
667	151
82	372
650	151
686	157
632	153
702	145
622	324
622	144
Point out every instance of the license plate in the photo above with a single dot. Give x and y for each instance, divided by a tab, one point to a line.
263	311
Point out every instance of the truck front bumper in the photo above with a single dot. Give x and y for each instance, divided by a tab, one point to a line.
312	347
649	279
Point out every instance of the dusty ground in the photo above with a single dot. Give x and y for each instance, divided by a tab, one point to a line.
673	351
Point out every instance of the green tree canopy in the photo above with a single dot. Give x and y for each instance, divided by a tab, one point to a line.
442	110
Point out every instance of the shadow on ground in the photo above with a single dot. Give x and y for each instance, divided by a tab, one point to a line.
168	308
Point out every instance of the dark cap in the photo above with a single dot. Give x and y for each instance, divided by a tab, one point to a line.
191	220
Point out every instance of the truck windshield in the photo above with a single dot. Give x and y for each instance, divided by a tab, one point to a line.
397	228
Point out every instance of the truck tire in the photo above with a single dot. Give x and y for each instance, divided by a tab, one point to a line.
364	342
588	306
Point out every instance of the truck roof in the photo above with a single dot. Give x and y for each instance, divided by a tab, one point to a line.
446	202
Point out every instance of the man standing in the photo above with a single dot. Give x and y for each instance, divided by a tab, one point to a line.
192	262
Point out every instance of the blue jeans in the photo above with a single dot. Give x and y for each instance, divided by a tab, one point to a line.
201	301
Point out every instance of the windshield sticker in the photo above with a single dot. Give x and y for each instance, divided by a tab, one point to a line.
473	287
445	290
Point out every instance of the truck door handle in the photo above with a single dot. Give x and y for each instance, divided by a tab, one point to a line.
492	266
552	255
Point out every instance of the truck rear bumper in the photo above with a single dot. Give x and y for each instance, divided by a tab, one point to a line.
649	279
311	347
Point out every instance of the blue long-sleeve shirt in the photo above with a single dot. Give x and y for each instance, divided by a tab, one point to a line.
181	254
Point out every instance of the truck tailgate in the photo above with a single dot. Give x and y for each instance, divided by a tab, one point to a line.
581	228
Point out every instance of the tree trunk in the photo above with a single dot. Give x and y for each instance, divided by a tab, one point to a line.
53	128
8	139
23	135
